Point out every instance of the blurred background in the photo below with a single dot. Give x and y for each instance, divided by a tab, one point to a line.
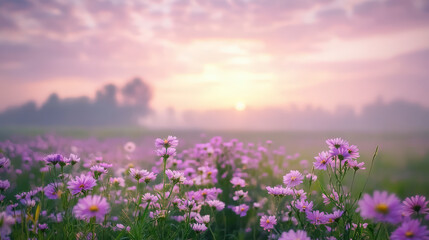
296	72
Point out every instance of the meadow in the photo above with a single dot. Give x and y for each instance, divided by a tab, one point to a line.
139	184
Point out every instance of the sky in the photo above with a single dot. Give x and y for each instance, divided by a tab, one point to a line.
203	55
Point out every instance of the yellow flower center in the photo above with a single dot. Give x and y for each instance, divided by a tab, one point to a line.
268	220
242	209
382	208
81	186
292	178
304	207
323	161
209	173
93	208
165	141
409	234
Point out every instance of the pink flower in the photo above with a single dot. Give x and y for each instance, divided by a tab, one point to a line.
81	183
199	228
292	235
322	161
268	222
236	181
240	210
91	207
382	207
293	178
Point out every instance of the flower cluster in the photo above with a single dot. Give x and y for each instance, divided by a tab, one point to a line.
213	190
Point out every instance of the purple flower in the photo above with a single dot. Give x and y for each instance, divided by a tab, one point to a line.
268	222
170	141
73	159
236	181
202	219
175	176
219	205
292	235
81	183
117	181
42	227
199	228
54	159
304	206
337	143
4	162
382	207
279	191
149	199
415	205
410	230
4	185
335	216
293	178
52	190
166	152
353	151
240	210
239	195
6	225
341	153
316	217
356	165
98	170
91	207
322	160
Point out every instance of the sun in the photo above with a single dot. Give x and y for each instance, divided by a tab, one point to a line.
240	106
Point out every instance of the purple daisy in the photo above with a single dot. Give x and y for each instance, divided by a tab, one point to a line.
236	181
415	205
293	178
4	162
410	230
337	143
292	235
54	159
91	207
322	160
353	151
268	222
382	207
219	205
199	228
4	185
279	191
202	219
341	153
81	183
317	217
240	194
335	216
175	176
170	141
52	190
6	225
240	210
356	165
166	152
304	206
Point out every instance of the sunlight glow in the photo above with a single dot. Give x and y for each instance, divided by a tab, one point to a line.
240	106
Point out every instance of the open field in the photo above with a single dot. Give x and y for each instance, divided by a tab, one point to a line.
231	172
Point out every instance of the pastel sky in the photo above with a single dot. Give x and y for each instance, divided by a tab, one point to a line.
203	54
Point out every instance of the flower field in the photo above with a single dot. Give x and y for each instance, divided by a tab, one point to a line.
57	188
